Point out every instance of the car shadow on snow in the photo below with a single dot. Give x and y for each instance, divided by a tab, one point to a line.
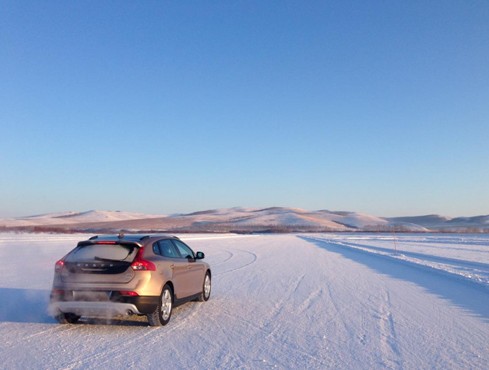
465	294
24	305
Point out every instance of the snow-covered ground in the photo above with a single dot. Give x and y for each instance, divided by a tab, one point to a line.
342	301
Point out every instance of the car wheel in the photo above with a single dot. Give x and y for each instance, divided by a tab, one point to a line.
162	314
67	318
206	288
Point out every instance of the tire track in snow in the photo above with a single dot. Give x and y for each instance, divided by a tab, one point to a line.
271	336
215	347
229	256
155	334
55	329
280	306
271	330
85	361
390	353
52	330
253	256
309	301
339	314
145	334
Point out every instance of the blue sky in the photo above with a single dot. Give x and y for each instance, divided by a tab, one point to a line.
379	107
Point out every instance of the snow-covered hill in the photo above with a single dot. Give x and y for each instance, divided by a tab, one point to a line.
441	223
71	217
274	219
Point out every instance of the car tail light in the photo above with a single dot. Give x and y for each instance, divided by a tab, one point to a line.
58	266
128	293
141	264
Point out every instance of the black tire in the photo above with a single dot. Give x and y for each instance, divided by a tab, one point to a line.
67	318
161	316
206	288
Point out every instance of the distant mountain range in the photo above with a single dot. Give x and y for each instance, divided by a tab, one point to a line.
241	220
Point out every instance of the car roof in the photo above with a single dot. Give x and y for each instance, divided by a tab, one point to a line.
131	238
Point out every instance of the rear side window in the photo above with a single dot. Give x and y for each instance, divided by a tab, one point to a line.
184	249
102	252
167	249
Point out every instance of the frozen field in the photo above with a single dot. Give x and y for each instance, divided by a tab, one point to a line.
316	301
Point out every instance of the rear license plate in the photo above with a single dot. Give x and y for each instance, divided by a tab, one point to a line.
91	296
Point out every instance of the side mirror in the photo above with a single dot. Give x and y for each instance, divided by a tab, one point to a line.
199	256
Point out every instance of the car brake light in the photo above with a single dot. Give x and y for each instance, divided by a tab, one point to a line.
141	264
58	266
106	242
128	293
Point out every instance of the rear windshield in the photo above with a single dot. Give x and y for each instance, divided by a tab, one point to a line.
103	252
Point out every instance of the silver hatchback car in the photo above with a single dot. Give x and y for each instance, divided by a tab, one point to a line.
106	276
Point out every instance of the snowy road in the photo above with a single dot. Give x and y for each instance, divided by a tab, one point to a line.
279	301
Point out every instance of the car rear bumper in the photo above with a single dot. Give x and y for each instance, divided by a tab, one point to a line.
96	309
125	306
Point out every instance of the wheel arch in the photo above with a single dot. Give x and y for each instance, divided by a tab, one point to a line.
170	284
